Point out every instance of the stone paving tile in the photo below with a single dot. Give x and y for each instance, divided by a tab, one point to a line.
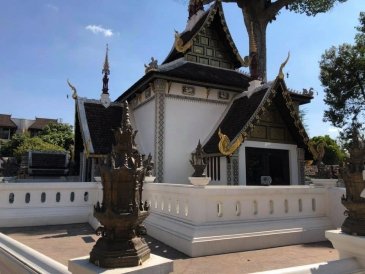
63	242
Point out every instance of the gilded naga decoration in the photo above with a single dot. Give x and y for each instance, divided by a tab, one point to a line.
122	211
224	143
179	43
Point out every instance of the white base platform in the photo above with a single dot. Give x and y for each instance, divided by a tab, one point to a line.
349	265
154	265
348	246
218	238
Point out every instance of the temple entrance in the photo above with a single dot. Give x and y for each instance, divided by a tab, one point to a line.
267	162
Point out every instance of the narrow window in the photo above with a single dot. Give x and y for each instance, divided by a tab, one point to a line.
72	196
58	197
27	198
86	196
43	197
11	198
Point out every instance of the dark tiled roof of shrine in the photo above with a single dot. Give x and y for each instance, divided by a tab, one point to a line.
193	74
213	14
246	110
101	121
40	123
209	74
5	121
186	37
240	112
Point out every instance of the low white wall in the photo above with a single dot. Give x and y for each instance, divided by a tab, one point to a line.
217	219
28	209
18	258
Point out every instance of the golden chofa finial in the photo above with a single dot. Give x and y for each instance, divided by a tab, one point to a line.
74	92
281	73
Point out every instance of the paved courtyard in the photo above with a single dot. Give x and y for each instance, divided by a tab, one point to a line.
63	242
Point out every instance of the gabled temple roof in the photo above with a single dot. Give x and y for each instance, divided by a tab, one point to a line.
245	111
182	71
40	123
97	123
5	121
198	25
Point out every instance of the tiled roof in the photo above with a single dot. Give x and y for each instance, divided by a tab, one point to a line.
101	121
208	74
5	121
192	73
235	119
246	110
40	123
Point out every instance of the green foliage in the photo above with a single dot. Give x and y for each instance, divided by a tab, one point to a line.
313	7
54	137
58	134
334	155
7	149
36	144
343	76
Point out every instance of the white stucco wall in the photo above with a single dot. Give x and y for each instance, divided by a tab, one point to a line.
186	121
143	120
293	159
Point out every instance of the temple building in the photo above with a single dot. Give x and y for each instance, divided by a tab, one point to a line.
251	131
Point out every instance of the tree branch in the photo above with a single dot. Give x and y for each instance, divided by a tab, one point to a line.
360	84
275	7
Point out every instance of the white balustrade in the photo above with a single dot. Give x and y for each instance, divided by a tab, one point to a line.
211	220
233	203
29	204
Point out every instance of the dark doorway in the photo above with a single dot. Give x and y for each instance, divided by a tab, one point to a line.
267	162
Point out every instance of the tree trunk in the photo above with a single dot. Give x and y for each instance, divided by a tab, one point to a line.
256	24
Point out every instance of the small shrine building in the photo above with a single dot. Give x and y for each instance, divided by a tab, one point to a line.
251	131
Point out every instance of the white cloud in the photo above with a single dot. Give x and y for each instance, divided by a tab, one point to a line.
52	7
333	130
99	29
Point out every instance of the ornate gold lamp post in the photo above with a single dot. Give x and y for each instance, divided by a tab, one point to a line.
354	224
122	210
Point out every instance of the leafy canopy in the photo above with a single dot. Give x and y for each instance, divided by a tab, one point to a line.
343	77
54	137
334	155
57	134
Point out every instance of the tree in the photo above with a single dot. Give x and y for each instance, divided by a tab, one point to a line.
21	143
257	14
343	77
333	155
58	134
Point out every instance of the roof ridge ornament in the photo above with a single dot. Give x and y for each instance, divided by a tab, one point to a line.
281	74
179	43
152	66
74	92
224	143
104	98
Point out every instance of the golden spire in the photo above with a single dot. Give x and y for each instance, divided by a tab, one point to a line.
106	62
253	44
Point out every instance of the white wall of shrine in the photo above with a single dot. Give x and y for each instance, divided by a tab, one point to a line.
143	120
186	121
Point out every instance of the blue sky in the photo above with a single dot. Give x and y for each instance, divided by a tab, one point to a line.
45	42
